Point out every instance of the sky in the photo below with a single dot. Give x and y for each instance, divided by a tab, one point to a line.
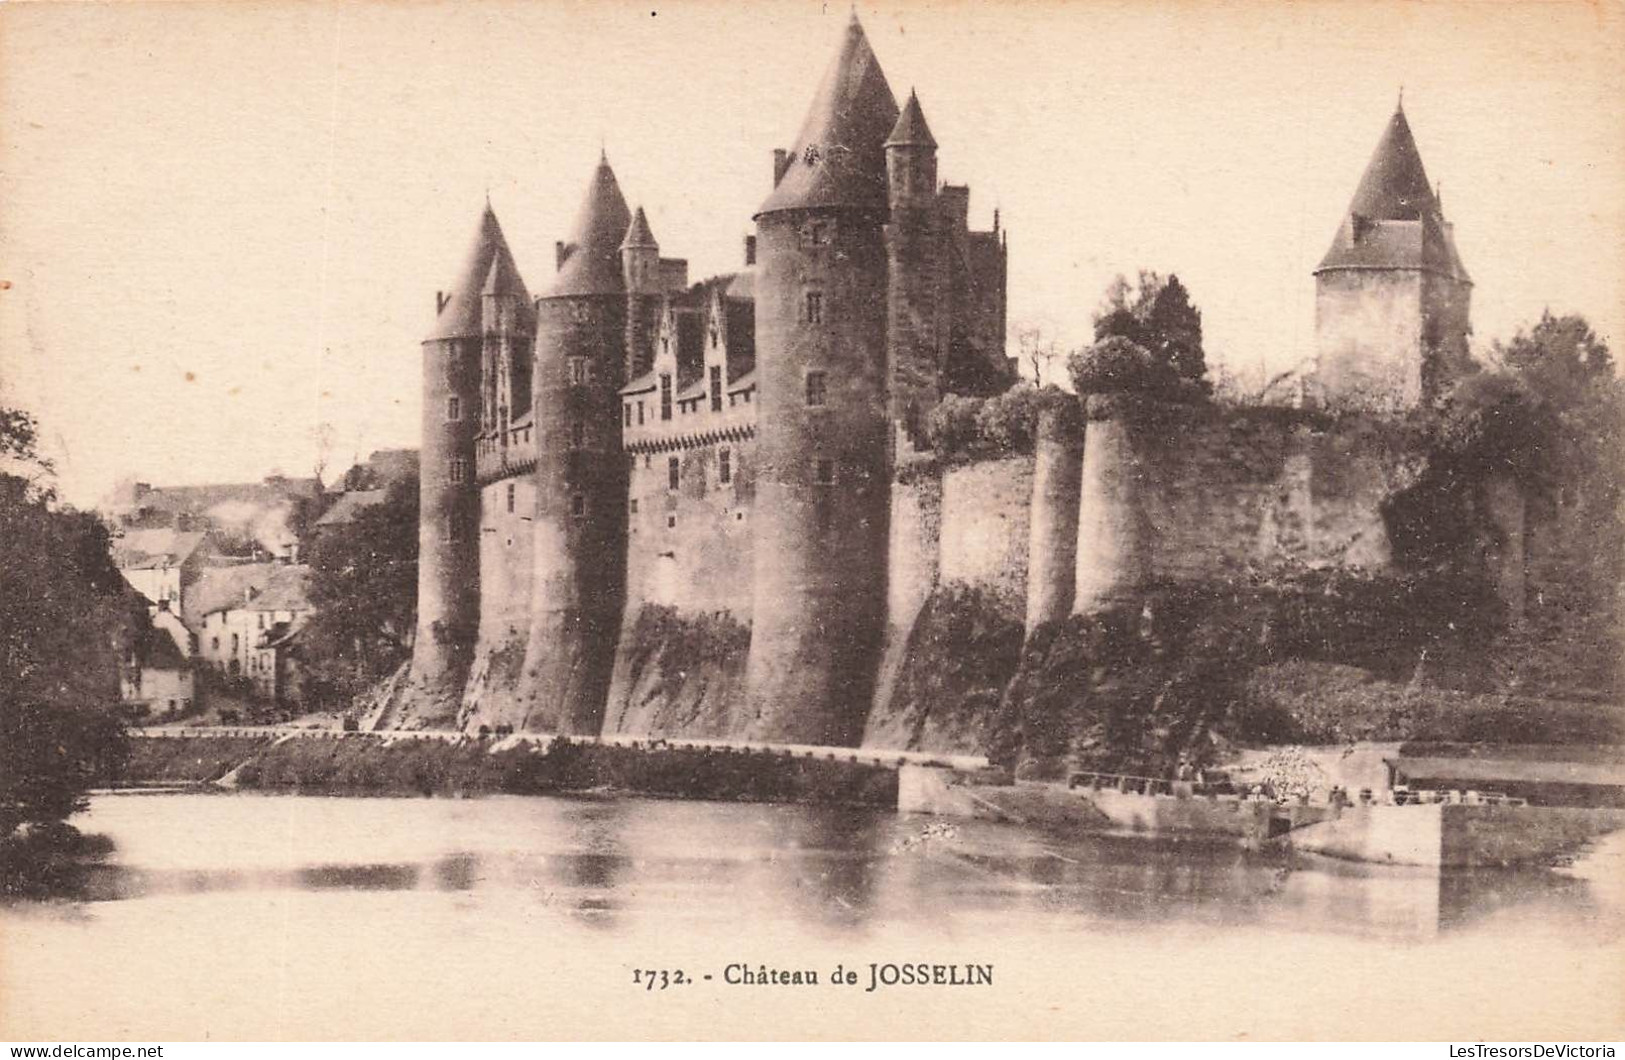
222	227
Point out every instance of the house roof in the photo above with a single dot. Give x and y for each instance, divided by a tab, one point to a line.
488	268
839	156
155	649
275	587
592	262
155	548
642	384
349	505
200	500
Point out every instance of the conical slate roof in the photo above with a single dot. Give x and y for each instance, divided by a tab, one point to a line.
593	252
638	234
1395	185
488	269
839	157
911	129
1395	221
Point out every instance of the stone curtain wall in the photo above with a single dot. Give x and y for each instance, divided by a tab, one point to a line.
680	663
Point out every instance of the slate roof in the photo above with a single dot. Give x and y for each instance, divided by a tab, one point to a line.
487	268
839	156
278	586
199	500
349	505
911	129
638	233
155	548
1395	220
592	264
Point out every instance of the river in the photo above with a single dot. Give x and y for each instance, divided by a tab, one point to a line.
271	917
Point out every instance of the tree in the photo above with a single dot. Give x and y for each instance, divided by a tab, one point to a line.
1039	350
66	617
364	596
1159	317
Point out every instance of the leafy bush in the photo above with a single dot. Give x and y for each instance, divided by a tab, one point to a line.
1116	365
964	429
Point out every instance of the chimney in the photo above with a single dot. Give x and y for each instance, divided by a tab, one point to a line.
440	300
781	162
559	254
750	250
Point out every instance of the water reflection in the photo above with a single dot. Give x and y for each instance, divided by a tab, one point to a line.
609	864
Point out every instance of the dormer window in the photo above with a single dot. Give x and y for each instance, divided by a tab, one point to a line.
716	388
665	395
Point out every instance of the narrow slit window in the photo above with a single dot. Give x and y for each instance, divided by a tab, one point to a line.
454	409
674	472
578	505
665	395
824	472
815	307
725	471
817	391
510	496
716	388
578	434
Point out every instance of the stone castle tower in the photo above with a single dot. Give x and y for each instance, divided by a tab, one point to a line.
594	557
476	366
1391	295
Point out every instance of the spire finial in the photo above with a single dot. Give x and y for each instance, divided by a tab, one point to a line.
1401	107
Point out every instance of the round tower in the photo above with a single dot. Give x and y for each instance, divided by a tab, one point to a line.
449	505
579	560
1115	537
823	473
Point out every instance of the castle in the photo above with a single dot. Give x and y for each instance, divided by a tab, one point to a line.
662	508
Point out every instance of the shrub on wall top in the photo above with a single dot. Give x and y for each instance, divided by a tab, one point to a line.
966	429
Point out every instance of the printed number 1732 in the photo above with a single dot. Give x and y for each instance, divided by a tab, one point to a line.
658	978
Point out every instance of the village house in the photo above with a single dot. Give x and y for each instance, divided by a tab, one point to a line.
248	620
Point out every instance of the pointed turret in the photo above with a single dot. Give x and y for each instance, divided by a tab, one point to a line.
839	156
488	259
638	234
1392	297
911	129
1395	186
590	260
